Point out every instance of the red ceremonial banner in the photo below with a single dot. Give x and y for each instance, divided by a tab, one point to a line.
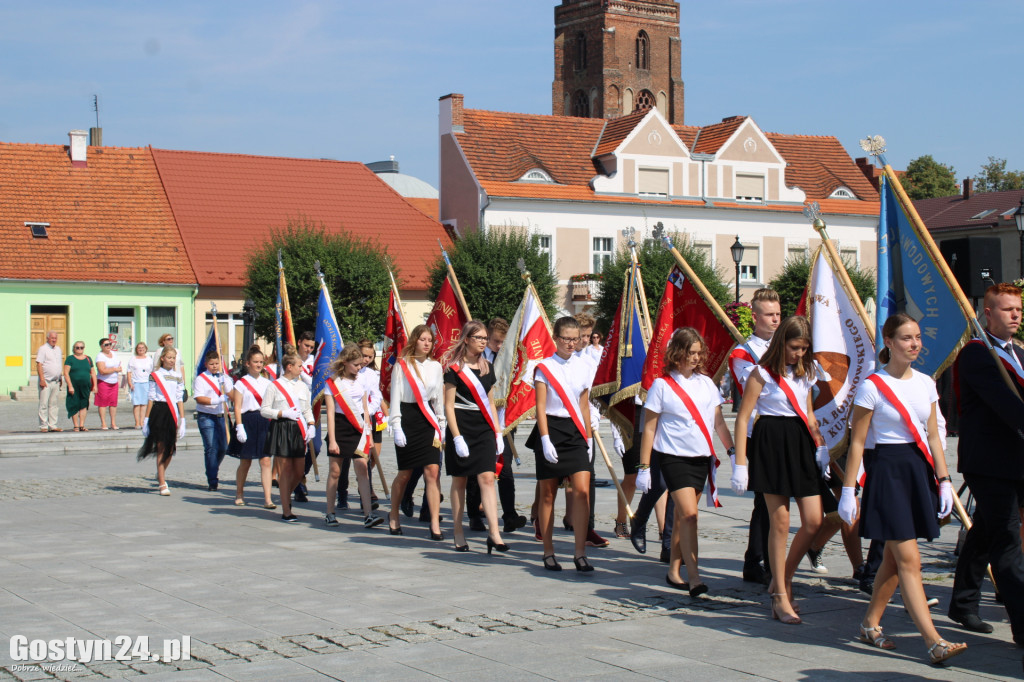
395	338
682	306
534	343
446	319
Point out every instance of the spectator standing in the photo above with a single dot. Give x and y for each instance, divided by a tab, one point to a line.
108	370
139	369
80	375
49	359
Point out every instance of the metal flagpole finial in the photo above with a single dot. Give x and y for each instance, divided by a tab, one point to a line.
875	146
316	266
213	308
521	264
659	233
813	213
628	233
279	263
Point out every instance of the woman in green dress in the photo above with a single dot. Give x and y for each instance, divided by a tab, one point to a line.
80	378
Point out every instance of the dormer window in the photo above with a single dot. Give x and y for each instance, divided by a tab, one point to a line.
536	175
653	181
842	193
38	230
750	188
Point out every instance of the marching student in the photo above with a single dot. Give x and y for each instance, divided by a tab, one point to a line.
418	423
370	377
681	409
895	408
588	353
164	423
306	346
211	390
348	431
286	404
251	427
473	440
787	454
561	439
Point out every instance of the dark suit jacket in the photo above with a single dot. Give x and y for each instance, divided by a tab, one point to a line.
991	417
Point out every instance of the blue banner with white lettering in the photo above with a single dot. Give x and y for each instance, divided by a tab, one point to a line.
909	281
328	342
209	347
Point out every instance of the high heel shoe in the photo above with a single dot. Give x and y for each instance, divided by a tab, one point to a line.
550	563
784	618
436	536
394	531
491	544
463	548
582	565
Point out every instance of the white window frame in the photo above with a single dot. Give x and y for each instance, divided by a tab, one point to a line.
745	277
605	255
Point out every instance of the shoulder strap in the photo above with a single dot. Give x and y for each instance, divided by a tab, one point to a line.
571	405
891	396
713	463
211	382
167	397
418	395
291	403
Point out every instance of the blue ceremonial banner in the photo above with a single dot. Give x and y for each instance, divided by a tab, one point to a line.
208	346
328	342
910	281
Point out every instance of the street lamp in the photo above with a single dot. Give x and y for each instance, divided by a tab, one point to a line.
1018	217
248	318
737	256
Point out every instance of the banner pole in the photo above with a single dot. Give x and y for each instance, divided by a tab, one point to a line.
398	300
611	471
703	291
224	370
455	281
838	267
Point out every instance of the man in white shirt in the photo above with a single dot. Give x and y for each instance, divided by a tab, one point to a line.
49	369
212	389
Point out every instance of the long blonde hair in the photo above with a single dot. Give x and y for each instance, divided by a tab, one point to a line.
410	347
457	353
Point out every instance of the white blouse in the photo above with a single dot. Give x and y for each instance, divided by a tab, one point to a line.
431	385
274	402
353	390
172	382
773	402
577	371
678	433
259	383
370	379
917	394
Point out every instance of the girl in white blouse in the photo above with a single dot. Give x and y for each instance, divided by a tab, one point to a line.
784	460
418	423
683	445
251	427
164	423
286	404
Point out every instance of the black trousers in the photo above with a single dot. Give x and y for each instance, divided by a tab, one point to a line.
995	536
757	540
650	498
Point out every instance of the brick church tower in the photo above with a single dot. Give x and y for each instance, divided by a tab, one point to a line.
613	57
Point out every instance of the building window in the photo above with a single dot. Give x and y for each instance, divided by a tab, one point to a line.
644	101
230	333
536	175
38	230
544	246
848	256
750	265
581	52
603	247
643	52
842	193
653	181
704	249
749	187
796	252
159	321
581	104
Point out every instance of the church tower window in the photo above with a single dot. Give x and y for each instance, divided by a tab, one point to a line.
581	104
581	51
643	51
644	101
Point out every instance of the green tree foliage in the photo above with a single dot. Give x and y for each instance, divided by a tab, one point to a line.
355	272
655	264
995	178
926	178
790	283
485	264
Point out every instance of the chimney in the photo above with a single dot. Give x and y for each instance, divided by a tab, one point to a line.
95	137
77	148
968	188
451	114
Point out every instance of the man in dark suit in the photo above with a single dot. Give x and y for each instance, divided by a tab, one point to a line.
992	462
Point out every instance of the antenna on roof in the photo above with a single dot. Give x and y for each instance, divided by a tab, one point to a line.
96	108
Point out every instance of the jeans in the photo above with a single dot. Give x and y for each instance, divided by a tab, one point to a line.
215	443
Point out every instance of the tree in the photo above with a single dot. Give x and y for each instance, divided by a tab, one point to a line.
926	178
485	264
995	178
355	272
791	282
655	264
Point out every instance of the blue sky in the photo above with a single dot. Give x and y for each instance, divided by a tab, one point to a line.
360	80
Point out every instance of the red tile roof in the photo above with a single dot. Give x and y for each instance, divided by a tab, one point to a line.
501	147
224	203
115	201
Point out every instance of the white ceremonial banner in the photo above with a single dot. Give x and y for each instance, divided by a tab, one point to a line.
843	349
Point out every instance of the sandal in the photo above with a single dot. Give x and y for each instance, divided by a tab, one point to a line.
164	490
785	618
874	637
943	651
76	429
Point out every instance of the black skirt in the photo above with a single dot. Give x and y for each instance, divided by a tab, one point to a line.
350	440
163	434
419	450
683	472
284	439
256	428
483	448
378	436
781	458
573	454
900	501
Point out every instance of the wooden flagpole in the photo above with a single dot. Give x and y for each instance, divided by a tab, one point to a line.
611	471
455	281
224	370
398	300
703	291
839	268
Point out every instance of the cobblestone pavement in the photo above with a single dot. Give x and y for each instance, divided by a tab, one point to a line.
88	550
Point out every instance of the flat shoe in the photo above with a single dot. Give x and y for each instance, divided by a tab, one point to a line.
678	586
270	506
698	590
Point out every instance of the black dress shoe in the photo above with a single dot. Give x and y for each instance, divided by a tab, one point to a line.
514	524
301	496
666	555
638	536
756	574
476	524
971	621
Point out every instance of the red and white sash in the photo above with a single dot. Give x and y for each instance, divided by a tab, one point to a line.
739	353
291	403
155	378
891	396
476	389
793	402
271	373
1013	368
245	382
556	379
213	384
418	395
713	462
346	408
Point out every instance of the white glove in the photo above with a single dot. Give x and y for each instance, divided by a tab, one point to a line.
823	459
590	448
291	413
240	433
219	400
643	480
738	481
945	499
461	449
848	506
550	454
181	428
500	440
145	427
310	432
619	447
399	436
